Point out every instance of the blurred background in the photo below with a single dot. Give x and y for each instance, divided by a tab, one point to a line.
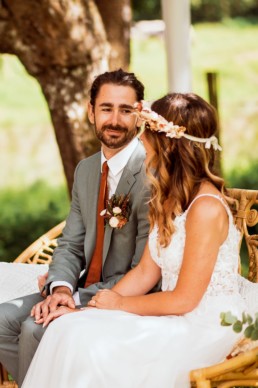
33	187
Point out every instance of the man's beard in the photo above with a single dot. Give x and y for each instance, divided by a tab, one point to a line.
114	142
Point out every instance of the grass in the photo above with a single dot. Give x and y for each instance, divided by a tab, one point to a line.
28	147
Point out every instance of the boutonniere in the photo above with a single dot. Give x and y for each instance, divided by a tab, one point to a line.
118	211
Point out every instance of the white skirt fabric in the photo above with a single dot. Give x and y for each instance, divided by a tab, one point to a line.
113	349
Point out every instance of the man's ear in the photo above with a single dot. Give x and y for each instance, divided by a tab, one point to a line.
91	113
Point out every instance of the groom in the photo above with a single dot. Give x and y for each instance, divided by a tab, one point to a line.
113	95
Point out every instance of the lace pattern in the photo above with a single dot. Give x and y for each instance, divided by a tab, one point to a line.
224	280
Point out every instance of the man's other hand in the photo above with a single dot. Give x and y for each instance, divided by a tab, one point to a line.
41	284
61	296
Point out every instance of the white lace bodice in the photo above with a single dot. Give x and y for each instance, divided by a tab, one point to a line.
224	280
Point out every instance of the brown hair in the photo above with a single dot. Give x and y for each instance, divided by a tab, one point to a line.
180	165
117	77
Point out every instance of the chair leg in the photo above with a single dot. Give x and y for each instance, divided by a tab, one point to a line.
4	380
3	374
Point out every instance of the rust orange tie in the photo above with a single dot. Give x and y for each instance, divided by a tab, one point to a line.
95	268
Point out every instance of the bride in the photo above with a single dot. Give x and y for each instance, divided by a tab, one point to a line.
126	337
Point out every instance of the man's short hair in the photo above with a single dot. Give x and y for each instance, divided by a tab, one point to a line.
117	77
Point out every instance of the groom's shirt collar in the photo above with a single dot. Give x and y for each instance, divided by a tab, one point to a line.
117	164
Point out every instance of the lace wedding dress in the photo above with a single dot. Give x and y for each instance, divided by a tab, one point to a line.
113	349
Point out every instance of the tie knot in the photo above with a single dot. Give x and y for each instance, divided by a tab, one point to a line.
105	168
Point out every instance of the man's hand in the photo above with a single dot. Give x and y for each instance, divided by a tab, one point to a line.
61	296
58	313
106	299
41	283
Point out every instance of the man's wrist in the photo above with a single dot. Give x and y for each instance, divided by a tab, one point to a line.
62	290
59	283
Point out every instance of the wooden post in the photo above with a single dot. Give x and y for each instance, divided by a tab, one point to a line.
213	99
176	15
212	89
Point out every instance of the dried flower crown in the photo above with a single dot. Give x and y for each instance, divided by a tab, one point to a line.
158	123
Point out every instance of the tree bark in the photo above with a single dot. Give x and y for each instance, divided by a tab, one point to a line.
63	45
117	17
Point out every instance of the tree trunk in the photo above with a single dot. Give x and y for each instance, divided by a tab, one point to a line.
117	17
63	45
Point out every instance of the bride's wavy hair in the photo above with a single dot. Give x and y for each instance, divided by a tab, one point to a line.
179	166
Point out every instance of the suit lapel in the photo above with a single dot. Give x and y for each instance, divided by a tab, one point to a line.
125	185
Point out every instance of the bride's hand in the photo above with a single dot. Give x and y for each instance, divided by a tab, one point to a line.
106	299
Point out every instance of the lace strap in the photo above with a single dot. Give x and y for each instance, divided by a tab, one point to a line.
216	196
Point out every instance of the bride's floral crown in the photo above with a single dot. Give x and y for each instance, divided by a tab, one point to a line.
157	123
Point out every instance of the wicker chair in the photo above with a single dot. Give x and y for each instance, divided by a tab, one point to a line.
241	370
39	252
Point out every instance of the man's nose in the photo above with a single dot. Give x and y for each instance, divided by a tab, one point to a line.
115	117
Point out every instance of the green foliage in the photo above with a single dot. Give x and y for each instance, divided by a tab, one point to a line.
27	214
201	10
248	323
206	10
146	9
247	178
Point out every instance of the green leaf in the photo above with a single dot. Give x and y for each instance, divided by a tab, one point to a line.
254	335
249	319
244	318
223	323
237	327
222	316
256	324
248	331
229	318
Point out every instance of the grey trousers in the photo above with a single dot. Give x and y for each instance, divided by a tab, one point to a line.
19	335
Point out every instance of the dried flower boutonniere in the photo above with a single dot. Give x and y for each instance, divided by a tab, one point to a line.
118	211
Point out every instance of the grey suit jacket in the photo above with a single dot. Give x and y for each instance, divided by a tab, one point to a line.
122	247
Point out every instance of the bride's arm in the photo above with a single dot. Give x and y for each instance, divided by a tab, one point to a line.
140	279
206	229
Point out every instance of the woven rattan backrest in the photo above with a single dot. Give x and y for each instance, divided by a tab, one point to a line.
41	251
244	204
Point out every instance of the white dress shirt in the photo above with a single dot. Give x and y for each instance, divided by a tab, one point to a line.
116	167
